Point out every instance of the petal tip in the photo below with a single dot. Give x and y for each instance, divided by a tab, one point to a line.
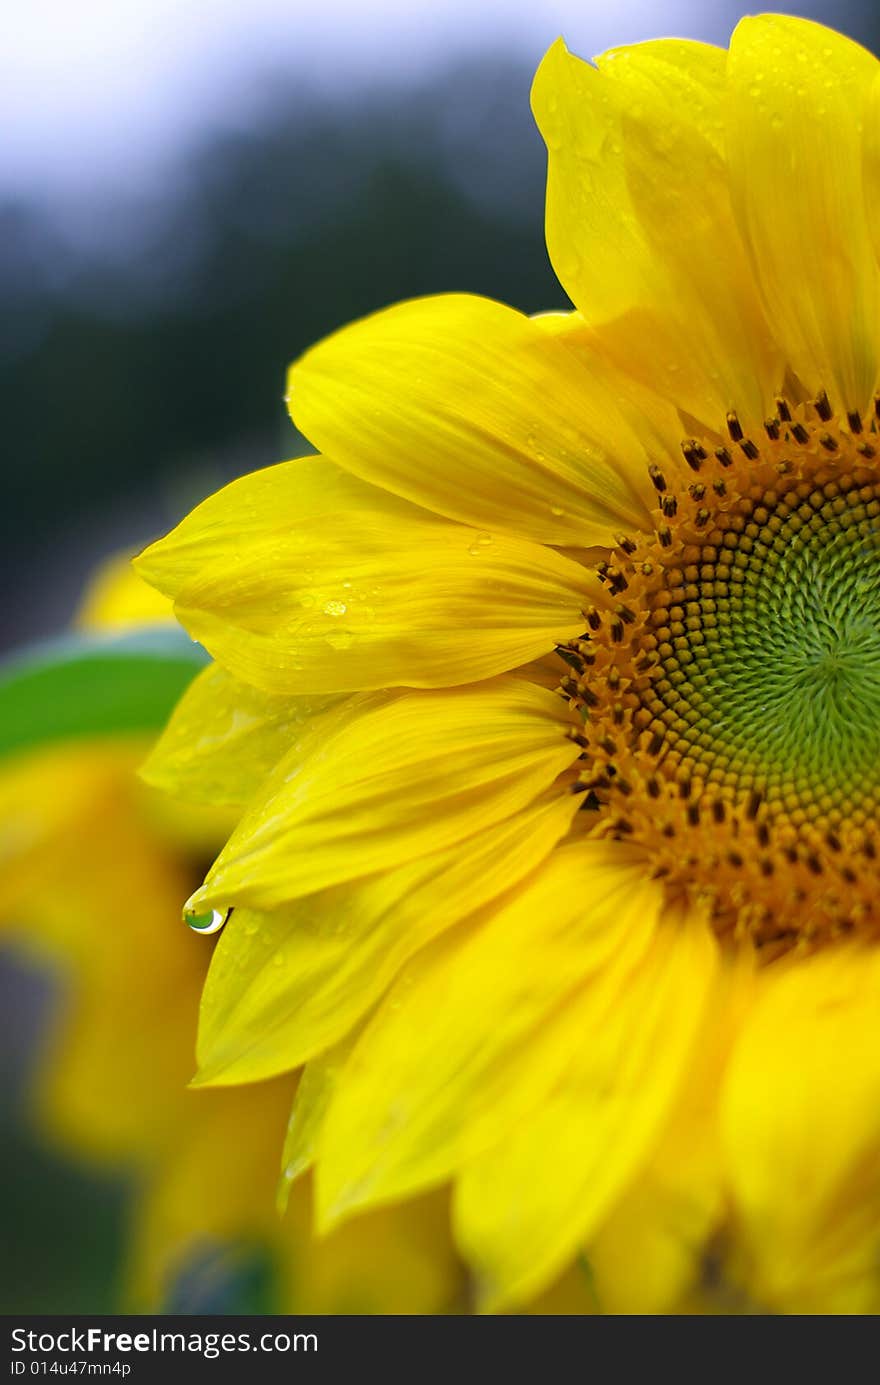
197	902
216	1069
153	567
202	1077
336	1203
544	73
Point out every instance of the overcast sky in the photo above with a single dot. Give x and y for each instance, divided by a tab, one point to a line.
100	89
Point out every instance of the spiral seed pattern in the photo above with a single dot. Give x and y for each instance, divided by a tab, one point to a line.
730	688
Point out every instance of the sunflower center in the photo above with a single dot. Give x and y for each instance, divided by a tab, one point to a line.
769	650
731	695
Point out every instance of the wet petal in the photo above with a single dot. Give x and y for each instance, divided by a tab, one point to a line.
800	1125
393	783
665	1221
224	737
285	984
637	1035
315	1090
478	1029
640	226
798	98
477	412
301	579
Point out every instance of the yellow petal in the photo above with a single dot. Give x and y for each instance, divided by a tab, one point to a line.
665	1220
871	164
191	829
397	781
800	1121
45	796
112	1081
476	1031
545	671
797	104
640	227
398	1261
224	737
315	1090
213	1187
469	408
522	1210
301	579
116	1068
117	597
283	985
573	1294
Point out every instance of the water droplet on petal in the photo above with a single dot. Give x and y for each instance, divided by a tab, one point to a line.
335	608
210	922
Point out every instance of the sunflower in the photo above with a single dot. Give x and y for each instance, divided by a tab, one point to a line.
95	865
553	688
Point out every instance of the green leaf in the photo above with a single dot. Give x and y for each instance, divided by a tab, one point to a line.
94	685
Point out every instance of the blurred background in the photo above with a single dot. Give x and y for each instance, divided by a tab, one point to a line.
191	192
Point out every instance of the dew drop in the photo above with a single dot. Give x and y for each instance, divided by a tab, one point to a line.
335	608
210	922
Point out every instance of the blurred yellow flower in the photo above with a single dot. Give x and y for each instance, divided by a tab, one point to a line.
95	866
606	961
